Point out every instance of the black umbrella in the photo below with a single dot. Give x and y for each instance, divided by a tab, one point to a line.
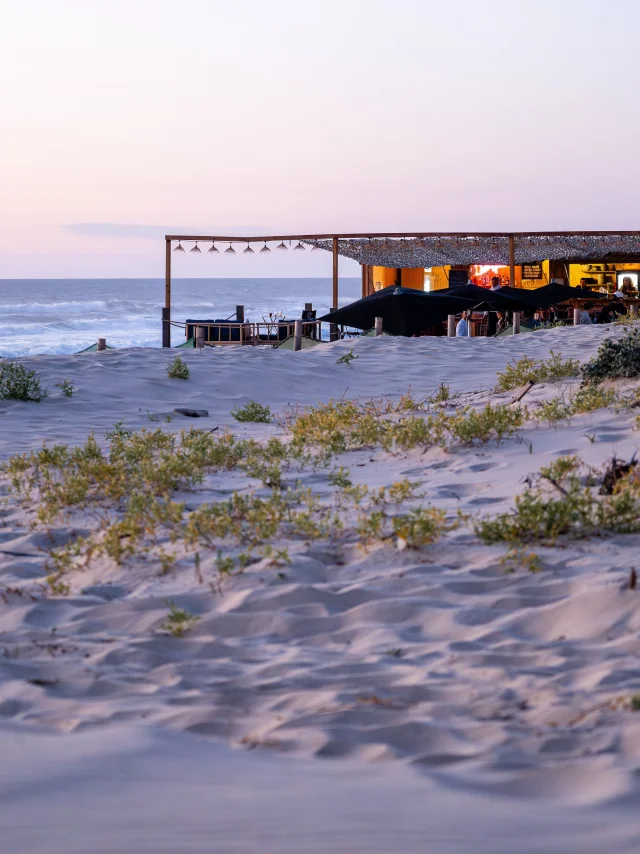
496	300
555	292
549	294
404	311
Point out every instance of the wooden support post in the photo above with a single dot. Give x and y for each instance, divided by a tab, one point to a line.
516	323
333	329
166	313
334	293
102	344
512	261
472	327
378	326
199	337
240	313
451	326
297	335
633	310
364	280
576	317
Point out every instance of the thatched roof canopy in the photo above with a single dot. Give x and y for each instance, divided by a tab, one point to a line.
438	251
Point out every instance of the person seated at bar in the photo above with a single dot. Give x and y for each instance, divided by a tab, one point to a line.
612	310
585	314
462	327
627	287
529	319
495	283
501	322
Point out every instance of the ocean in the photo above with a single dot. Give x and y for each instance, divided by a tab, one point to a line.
67	315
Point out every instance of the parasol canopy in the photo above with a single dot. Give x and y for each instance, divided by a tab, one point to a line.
554	293
404	311
489	300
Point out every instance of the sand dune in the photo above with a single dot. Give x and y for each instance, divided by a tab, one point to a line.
500	696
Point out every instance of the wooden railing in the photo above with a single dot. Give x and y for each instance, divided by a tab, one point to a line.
265	333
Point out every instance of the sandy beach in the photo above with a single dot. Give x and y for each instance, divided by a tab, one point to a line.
434	698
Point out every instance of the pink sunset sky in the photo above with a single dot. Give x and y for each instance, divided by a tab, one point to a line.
121	120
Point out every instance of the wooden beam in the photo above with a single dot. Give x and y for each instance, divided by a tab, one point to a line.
364	279
512	260
406	234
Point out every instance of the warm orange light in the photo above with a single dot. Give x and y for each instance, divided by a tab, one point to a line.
479	270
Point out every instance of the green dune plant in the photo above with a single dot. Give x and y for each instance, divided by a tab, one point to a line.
19	383
178	369
526	370
252	411
615	358
565	501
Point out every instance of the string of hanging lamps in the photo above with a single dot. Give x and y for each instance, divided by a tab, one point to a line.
281	247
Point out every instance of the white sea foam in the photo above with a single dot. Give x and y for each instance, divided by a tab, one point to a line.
64	316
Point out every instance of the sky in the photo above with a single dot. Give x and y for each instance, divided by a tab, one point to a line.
122	120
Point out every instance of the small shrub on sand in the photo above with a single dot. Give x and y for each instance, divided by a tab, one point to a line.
564	501
118	431
588	398
252	411
66	387
615	358
527	370
479	426
420	527
19	383
178	369
178	620
346	358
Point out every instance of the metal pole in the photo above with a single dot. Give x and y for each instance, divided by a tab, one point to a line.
516	323
576	317
166	314
512	261
451	326
378	327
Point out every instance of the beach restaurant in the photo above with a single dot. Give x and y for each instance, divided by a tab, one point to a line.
603	261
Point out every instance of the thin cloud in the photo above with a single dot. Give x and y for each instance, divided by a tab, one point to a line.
115	230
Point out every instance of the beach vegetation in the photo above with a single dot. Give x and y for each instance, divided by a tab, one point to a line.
564	501
118	431
442	394
66	387
19	383
521	558
178	369
526	370
347	358
253	411
178	621
615	358
492	423
420	527
588	398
